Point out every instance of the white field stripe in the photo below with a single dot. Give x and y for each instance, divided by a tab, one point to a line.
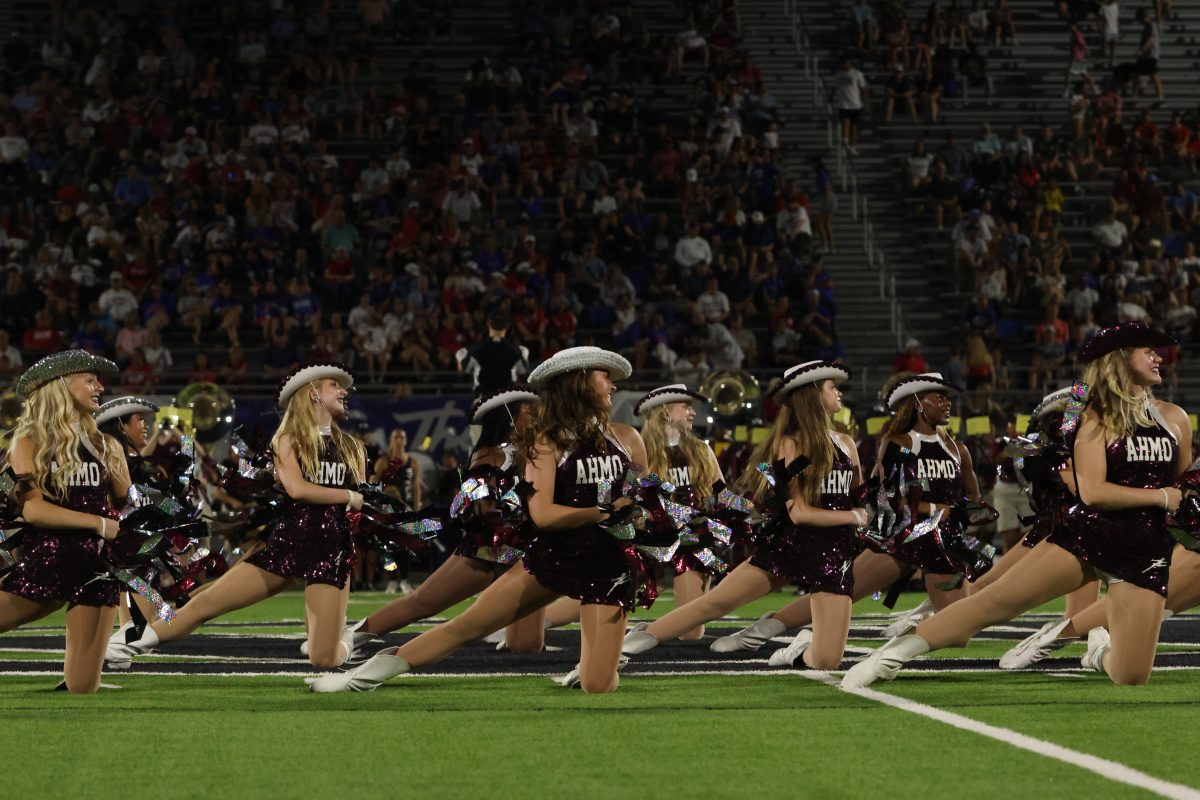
1111	770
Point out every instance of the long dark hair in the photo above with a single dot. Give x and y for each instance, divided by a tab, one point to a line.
569	414
497	426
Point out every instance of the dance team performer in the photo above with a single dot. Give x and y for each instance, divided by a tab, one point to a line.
570	447
1127	452
677	455
400	475
922	410
316	463
71	477
813	544
477	561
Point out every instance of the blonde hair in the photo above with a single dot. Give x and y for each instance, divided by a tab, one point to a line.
46	422
802	416
1110	398
702	466
299	425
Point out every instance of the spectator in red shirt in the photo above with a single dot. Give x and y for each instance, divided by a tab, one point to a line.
910	358
42	338
201	372
1050	336
139	376
234	371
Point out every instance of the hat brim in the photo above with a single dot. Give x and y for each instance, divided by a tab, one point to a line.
489	404
115	409
1121	337
58	365
1055	401
573	359
915	386
306	375
813	374
662	397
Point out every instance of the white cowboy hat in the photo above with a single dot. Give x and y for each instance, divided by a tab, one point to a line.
811	372
516	393
306	375
120	406
675	393
1055	401
577	358
925	382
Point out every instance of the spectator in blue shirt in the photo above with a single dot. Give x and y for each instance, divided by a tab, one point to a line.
133	190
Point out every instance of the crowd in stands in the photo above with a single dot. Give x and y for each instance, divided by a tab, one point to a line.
1006	199
207	205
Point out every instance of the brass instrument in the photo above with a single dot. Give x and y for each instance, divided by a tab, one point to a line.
733	392
204	410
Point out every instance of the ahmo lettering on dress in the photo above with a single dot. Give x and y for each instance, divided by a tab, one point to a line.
331	473
594	469
837	482
86	474
936	468
1149	448
680	476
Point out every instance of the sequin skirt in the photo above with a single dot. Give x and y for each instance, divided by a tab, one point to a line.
1131	545
310	543
687	562
924	553
1045	524
482	545
61	567
587	564
816	559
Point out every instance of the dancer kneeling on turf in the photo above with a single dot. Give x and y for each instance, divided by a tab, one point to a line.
1127	451
569	447
943	468
814	544
69	475
316	463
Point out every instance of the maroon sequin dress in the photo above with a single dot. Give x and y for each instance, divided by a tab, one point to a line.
939	471
480	543
311	542
1131	544
63	565
585	563
679	473
819	559
1052	500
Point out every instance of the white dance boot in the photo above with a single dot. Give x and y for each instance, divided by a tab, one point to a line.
884	663
786	656
1037	646
751	637
1098	647
638	640
366	677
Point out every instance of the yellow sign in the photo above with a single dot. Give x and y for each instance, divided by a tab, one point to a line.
758	435
178	417
954	425
875	425
1195	420
842	416
741	433
978	426
1022	424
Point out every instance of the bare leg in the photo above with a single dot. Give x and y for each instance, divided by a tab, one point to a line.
1046	573
455	580
1002	565
1083	598
746	583
600	647
528	634
243	585
1134	617
1183	593
88	629
872	572
16	611
689	586
513	595
325	607
831	626
562	611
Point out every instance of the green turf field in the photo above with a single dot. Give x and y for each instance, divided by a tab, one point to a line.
688	735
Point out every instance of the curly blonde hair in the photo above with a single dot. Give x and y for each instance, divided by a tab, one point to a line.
701	465
1110	396
299	424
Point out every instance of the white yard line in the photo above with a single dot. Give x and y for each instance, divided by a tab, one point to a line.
1111	770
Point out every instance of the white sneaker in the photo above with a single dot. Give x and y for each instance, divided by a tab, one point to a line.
353	640
498	638
572	681
405	587
907	620
786	656
1098	646
116	657
638	640
364	678
751	637
884	663
392	587
1036	646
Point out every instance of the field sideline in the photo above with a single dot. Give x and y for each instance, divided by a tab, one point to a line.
227	711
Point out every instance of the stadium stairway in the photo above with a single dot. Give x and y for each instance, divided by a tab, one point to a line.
1028	91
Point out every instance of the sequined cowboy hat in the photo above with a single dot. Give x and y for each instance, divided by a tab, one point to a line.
675	393
1055	401
810	372
577	358
58	365
120	406
306	375
1119	337
924	382
513	393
